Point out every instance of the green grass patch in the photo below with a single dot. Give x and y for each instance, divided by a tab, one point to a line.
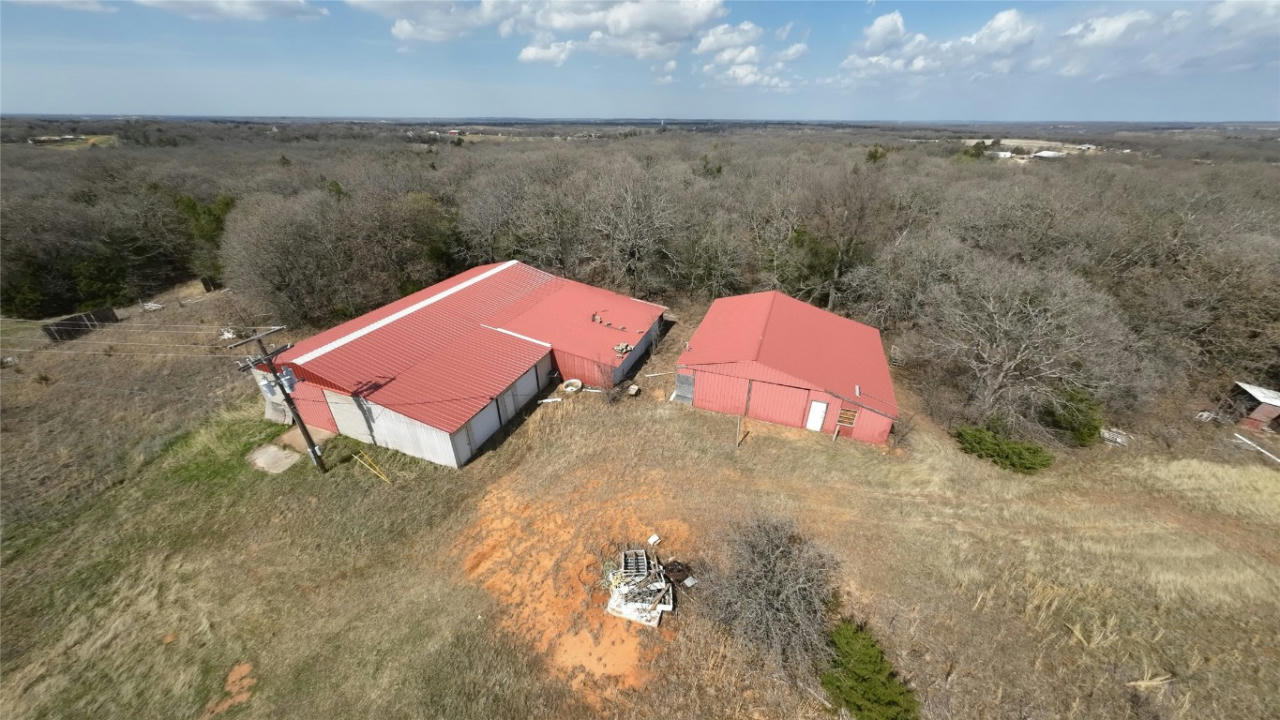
862	681
1024	457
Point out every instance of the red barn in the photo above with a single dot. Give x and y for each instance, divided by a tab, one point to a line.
771	357
436	373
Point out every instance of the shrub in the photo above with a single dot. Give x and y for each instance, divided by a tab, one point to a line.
1078	415
862	681
778	595
1023	457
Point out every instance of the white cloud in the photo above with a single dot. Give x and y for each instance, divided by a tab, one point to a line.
737	56
554	53
1107	30
664	80
885	32
1005	32
439	22
793	53
1229	36
79	5
890	49
1178	21
749	75
1249	10
238	9
722	37
782	32
670	66
644	29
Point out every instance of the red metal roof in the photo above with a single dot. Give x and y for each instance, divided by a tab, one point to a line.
441	354
821	350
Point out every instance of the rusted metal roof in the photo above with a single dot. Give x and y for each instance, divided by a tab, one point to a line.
441	354
805	346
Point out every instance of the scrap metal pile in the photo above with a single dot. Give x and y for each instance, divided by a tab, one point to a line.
641	589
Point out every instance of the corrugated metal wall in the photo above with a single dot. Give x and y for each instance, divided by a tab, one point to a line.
778	404
870	427
588	371
372	423
312	406
719	393
633	357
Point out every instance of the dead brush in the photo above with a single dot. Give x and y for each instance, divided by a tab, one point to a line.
776	594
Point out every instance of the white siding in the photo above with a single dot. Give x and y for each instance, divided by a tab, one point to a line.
373	423
634	356
477	430
347	416
526	387
544	370
507	406
461	444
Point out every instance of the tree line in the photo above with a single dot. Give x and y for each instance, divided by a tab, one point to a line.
1017	295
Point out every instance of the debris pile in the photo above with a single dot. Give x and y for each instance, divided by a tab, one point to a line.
1115	436
640	589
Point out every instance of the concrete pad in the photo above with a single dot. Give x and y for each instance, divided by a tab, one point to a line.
272	459
292	438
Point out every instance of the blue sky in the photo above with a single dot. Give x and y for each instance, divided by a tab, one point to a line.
917	61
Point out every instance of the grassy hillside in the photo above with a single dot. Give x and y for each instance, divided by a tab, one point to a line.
1119	583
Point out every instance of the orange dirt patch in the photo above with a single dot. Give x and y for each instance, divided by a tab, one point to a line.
235	690
544	567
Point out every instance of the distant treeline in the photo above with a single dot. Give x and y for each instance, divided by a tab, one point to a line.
1018	295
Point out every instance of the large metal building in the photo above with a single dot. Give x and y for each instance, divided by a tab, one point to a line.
771	357
436	373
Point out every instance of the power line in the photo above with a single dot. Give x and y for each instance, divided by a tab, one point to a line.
126	342
269	359
113	354
149	393
110	328
127	322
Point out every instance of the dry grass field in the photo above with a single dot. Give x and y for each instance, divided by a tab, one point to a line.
1119	584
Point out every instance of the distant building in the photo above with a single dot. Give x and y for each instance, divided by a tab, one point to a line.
1049	155
1002	154
53	139
1260	406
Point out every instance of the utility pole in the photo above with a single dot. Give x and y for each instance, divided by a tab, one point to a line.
268	357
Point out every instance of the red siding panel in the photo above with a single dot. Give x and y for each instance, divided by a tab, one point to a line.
719	393
590	372
312	406
778	404
870	427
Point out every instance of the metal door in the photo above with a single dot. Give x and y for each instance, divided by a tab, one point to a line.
817	416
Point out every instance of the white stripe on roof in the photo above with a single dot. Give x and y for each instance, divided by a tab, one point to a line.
517	335
357	334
